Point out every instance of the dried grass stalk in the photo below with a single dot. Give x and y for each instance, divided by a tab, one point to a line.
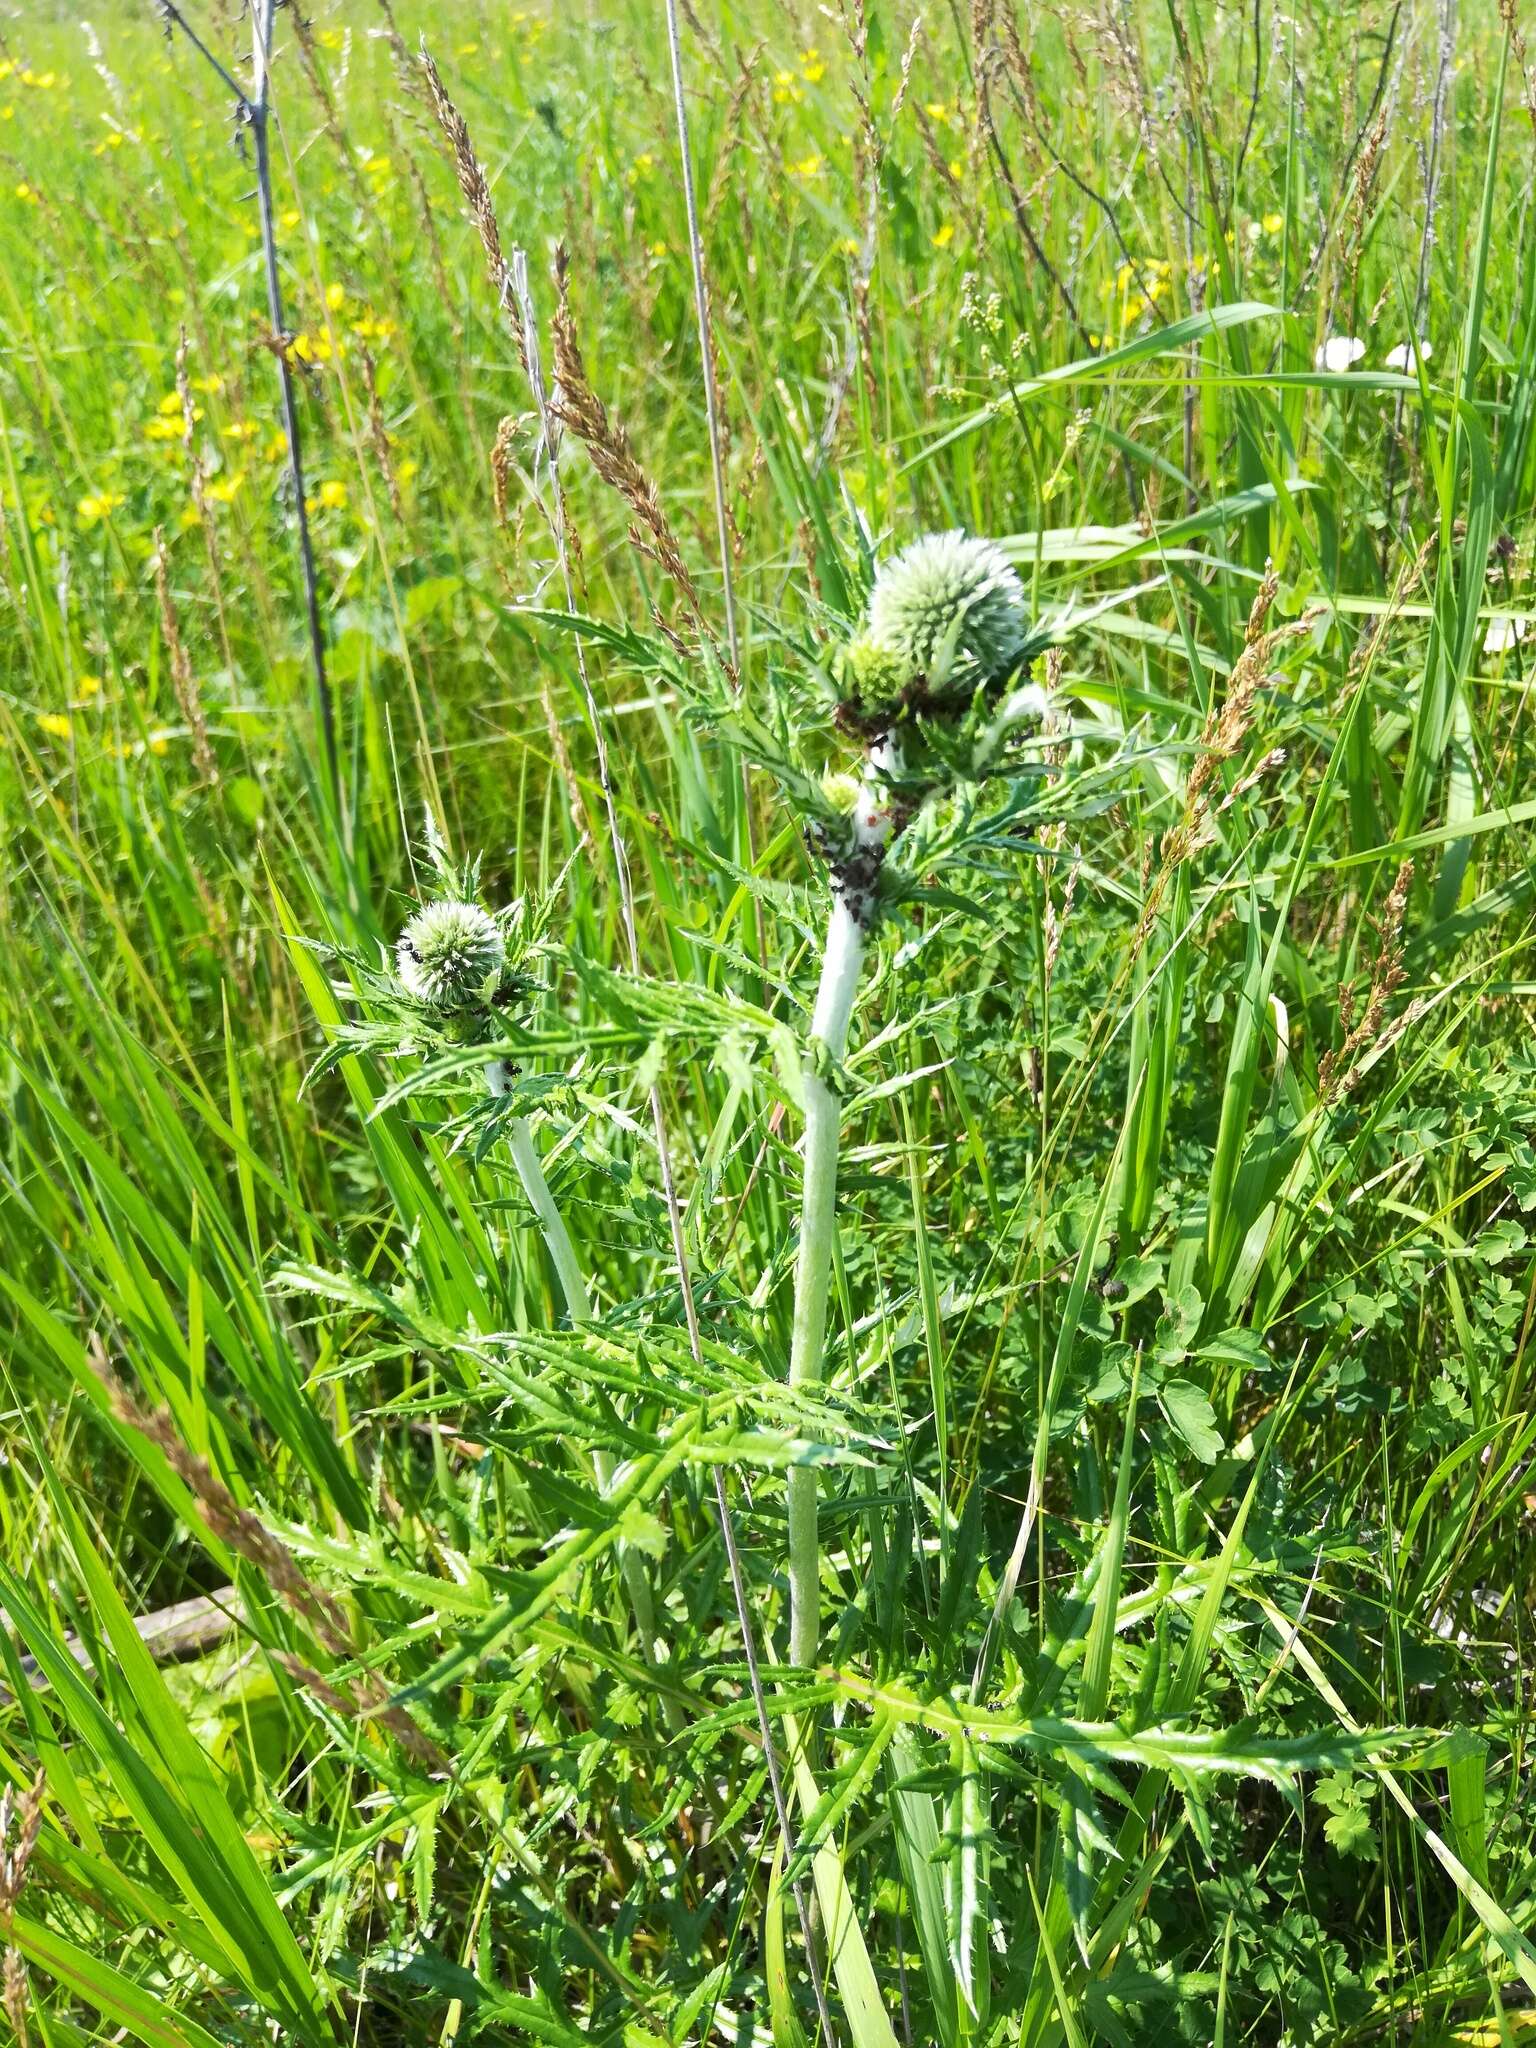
183	681
1341	1066
362	1697
27	1815
579	409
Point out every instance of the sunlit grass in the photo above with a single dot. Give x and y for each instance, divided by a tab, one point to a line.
1159	1509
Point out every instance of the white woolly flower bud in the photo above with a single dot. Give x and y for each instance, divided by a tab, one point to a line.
447	954
950	595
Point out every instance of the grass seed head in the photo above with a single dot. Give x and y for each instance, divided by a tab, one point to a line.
577	406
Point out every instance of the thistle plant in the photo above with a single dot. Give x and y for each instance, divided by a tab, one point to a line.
459	978
945	597
925	684
452	960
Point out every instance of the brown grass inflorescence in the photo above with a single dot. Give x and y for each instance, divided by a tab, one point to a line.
27	1814
365	1695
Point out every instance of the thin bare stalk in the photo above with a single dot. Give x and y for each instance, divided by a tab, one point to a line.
253	112
1433	164
706	346
712	421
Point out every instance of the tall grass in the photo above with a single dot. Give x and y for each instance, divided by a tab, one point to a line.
969	1483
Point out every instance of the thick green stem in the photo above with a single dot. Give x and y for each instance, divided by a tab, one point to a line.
578	1304
844	956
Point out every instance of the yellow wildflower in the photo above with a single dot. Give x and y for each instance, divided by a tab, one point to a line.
98	505
335	297
945	235
371	328
55	724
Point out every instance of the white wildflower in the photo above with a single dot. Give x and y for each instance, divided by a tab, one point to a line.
1504	633
1402	357
1339	352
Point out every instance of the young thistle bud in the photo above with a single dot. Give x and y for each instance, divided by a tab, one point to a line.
448	955
948	597
872	676
842	791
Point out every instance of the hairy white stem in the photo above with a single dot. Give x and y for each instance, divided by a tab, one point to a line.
841	962
578	1303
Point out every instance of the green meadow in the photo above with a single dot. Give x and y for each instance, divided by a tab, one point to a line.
767	1103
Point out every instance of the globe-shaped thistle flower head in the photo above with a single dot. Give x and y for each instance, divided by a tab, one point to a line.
948	596
447	954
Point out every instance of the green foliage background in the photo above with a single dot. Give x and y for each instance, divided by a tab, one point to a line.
1223	1288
